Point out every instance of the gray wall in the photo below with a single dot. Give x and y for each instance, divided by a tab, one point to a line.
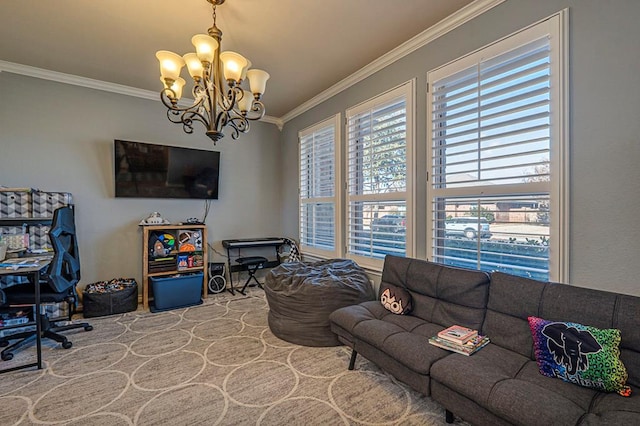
604	97
59	137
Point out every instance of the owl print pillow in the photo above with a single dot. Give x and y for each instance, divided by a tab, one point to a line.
395	299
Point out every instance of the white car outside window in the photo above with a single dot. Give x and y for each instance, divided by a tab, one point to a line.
468	226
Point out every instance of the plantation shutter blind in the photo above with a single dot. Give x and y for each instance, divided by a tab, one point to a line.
492	139
377	150
317	189
377	176
491	121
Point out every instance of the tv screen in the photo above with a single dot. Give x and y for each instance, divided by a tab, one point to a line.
158	171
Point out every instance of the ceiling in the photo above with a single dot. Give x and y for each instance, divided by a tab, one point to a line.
306	45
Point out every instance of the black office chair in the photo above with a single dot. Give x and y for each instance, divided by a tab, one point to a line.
56	286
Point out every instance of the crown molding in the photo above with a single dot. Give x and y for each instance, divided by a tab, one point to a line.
273	120
105	86
441	28
451	22
76	80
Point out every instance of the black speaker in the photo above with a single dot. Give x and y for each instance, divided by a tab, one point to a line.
217	281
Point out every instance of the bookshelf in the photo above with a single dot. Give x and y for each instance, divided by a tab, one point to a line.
163	268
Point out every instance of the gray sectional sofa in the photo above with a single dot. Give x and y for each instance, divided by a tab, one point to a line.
501	383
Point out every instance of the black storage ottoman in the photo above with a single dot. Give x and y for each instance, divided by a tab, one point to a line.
115	296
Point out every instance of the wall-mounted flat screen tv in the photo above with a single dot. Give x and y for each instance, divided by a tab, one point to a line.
144	170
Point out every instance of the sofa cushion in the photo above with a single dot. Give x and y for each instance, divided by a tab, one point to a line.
613	418
475	376
579	396
395	299
510	386
404	338
511	301
532	399
343	320
626	321
615	408
583	355
440	294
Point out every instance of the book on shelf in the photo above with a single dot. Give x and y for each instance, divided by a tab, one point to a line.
458	334
468	348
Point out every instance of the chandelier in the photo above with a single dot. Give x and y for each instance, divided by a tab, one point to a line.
219	99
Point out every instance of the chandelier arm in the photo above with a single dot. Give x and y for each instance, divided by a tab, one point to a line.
236	131
166	96
166	100
187	126
257	111
185	116
228	101
240	124
179	115
192	116
187	123
221	120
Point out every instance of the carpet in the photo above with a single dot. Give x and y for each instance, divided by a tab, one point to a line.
216	363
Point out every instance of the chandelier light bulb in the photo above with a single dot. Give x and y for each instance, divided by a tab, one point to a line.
194	65
243	77
176	87
258	81
170	64
245	104
206	47
233	63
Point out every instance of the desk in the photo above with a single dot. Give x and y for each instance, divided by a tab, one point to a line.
34	272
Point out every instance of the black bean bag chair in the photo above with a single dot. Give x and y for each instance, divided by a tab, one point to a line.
302	295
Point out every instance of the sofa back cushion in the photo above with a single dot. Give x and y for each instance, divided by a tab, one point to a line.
440	294
513	299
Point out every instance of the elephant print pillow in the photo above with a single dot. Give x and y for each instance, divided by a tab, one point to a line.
580	354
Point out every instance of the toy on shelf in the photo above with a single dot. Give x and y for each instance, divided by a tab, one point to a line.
190	241
154	218
161	244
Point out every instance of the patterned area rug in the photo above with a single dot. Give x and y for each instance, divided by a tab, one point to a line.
217	363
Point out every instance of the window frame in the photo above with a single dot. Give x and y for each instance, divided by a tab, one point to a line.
406	90
334	123
555	28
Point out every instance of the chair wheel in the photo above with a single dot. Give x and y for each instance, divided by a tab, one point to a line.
7	357
88	328
67	345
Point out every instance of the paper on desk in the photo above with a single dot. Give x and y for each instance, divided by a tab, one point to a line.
19	263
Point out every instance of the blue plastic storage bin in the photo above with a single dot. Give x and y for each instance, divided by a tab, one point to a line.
177	291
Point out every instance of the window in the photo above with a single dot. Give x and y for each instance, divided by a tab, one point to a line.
379	170
319	174
495	194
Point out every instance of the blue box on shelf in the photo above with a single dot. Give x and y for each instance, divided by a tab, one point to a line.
177	291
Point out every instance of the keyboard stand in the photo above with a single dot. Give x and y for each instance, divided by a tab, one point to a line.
252	264
272	243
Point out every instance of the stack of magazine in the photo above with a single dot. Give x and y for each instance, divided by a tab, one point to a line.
459	339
